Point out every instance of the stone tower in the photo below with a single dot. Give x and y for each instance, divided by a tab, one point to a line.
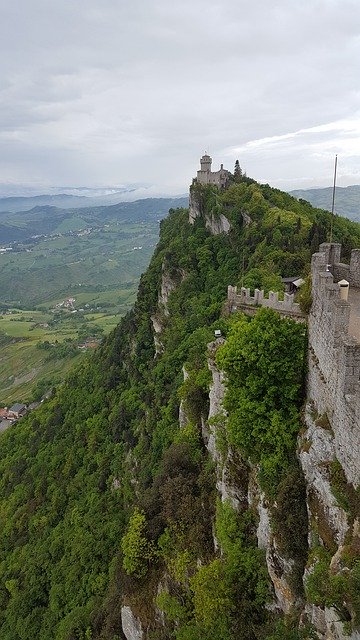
205	163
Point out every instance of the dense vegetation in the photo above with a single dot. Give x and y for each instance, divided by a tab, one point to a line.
103	497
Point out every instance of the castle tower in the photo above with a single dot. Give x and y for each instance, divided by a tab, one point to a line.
205	163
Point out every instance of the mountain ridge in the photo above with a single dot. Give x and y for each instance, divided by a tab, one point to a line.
24	203
19	225
122	521
347	200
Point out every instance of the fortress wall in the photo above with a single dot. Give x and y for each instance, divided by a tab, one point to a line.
247	303
341	271
334	355
334	359
355	268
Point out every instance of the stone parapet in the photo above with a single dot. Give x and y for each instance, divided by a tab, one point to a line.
245	302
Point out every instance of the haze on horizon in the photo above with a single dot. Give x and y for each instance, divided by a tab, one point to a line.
96	93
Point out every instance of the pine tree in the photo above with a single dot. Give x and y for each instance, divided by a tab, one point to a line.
237	172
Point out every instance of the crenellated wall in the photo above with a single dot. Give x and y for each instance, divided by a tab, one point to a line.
334	354
249	304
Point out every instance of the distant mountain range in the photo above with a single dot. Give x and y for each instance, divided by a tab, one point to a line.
67	201
45	218
347	199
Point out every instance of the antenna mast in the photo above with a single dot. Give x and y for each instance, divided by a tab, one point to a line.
333	199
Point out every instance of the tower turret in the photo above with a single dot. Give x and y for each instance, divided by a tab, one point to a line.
205	163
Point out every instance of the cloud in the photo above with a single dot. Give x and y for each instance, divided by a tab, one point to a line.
103	92
306	155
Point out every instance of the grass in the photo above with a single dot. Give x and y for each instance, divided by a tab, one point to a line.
56	267
22	363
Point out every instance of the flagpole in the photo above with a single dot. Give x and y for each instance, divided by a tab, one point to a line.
333	200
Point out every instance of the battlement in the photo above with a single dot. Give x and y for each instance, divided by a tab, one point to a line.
334	350
245	302
329	275
329	256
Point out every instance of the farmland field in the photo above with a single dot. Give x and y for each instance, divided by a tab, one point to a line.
66	283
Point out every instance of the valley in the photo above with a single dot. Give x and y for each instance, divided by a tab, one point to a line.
65	284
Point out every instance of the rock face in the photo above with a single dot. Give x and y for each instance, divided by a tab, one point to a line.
183	417
157	329
131	626
215	224
327	624
228	484
317	451
234	484
168	285
194	206
279	568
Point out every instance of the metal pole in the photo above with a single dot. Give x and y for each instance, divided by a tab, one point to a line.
333	199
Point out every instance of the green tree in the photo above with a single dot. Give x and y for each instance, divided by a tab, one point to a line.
137	550
264	363
237	172
212	594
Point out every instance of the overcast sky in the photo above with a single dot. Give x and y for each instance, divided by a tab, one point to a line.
111	92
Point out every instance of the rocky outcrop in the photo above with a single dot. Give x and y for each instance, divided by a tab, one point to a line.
231	476
280	569
131	626
183	417
157	329
329	523
217	224
194	206
234	484
327	624
317	452
246	218
168	285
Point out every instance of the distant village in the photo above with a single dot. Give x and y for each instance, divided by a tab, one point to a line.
19	246
10	415
22	245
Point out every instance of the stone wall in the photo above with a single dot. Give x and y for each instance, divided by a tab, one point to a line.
331	424
243	301
334	357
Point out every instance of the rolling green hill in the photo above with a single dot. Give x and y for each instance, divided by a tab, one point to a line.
94	255
46	219
347	202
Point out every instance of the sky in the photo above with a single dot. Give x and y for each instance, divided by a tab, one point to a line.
107	93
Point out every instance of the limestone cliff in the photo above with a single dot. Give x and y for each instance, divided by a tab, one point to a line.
237	482
158	319
216	224
328	452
